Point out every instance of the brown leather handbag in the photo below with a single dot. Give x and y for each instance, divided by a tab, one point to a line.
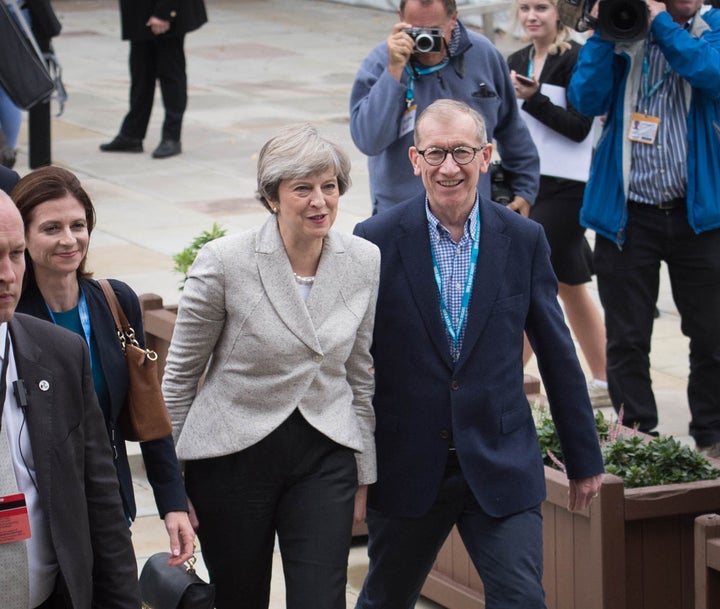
144	416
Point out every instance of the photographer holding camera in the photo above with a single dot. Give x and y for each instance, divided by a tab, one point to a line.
654	195
430	55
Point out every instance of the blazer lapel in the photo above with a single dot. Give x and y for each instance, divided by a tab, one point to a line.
39	382
329	278
414	247
494	248
277	278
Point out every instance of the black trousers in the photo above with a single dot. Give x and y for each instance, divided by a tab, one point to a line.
295	482
161	59
628	283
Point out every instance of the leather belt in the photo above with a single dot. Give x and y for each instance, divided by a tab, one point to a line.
663	205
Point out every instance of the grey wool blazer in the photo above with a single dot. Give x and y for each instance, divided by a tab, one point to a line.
267	352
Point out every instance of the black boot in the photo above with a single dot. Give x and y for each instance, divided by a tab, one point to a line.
123	144
167	148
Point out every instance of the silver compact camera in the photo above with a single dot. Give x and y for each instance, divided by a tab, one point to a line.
427	39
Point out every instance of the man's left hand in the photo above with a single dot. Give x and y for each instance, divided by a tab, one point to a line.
520	205
654	9
583	491
158	26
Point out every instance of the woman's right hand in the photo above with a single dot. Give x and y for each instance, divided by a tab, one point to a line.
522	89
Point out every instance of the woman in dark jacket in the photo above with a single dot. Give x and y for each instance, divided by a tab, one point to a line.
59	218
550	59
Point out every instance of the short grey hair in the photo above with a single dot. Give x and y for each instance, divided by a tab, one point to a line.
298	152
447	108
449	6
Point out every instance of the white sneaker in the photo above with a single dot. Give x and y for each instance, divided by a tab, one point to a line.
599	396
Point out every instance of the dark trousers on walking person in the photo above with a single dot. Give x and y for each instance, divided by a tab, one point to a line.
507	552
295	482
628	284
161	59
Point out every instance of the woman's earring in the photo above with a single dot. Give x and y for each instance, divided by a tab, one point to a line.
275	210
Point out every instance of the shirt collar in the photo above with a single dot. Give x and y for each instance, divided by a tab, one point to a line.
437	229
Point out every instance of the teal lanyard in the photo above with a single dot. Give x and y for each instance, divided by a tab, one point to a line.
84	322
531	63
453	331
649	91
414	74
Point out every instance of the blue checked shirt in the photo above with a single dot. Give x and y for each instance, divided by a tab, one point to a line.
658	171
453	261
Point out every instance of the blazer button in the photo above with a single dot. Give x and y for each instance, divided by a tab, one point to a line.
317	357
444	434
454	385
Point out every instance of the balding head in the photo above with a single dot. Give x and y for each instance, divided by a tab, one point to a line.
12	257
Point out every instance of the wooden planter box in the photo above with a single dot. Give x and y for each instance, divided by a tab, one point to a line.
633	549
707	561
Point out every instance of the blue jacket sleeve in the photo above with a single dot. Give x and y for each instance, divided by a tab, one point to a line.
592	85
377	102
697	60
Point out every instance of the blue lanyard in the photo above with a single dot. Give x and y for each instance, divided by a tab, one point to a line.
649	91
469	280
415	73
531	63
84	314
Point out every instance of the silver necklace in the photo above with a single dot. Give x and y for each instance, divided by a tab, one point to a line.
303	280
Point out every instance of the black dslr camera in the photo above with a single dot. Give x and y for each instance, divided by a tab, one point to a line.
500	189
427	39
618	20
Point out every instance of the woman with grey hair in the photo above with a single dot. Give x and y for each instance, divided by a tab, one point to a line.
278	439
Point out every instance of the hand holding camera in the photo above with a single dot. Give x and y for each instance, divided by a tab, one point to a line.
405	40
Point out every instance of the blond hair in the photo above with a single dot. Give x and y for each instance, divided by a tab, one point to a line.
561	42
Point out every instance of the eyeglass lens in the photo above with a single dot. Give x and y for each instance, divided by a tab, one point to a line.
462	155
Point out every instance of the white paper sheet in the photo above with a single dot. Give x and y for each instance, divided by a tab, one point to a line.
559	156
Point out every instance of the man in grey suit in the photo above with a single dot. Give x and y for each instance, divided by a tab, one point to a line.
64	542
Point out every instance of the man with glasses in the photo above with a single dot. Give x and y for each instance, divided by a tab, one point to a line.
461	278
412	69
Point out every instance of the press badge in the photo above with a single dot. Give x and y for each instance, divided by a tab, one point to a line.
14	522
407	122
643	128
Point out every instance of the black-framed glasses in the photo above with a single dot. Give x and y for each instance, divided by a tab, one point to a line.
462	155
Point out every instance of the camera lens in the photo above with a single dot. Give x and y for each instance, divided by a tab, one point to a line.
623	19
424	43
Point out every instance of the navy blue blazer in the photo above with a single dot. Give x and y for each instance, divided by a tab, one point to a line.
423	402
161	463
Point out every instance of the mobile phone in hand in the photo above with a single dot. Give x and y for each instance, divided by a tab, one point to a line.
524	80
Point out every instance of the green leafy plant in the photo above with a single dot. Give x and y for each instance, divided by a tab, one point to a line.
639	461
184	259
